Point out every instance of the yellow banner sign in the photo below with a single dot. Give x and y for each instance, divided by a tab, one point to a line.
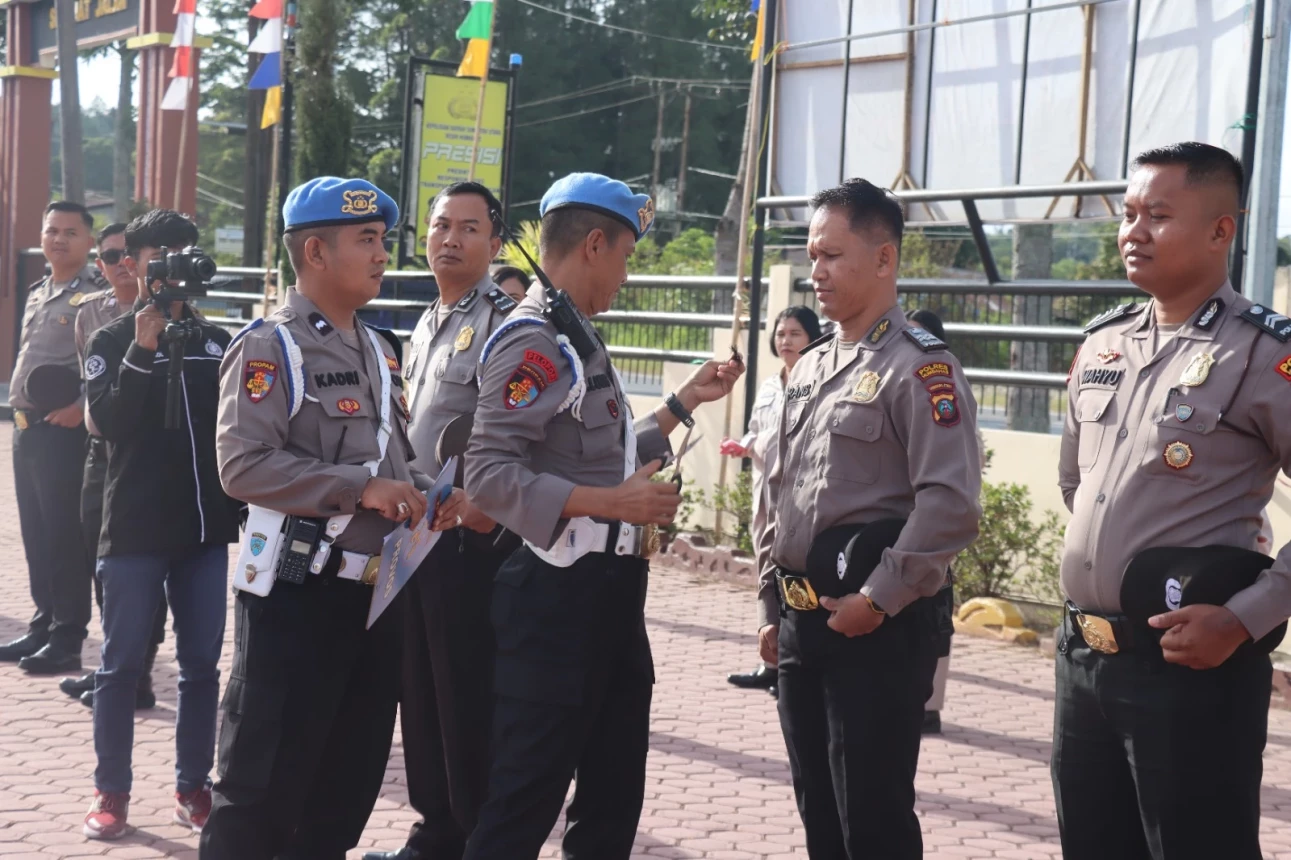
447	132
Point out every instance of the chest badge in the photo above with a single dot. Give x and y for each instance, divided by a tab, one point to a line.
63	320
1178	455
78	299
464	338
1197	370
213	348
1183	412
348	405
1107	356
866	387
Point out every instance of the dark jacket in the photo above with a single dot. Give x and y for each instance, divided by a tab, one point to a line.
163	491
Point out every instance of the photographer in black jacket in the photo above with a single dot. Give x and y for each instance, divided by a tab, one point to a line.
167	524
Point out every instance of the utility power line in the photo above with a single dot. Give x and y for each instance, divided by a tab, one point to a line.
574	17
585	111
638	79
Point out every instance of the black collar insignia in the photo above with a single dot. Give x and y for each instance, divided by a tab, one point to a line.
1211	312
320	324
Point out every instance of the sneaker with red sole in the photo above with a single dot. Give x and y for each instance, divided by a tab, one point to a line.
192	808
107	816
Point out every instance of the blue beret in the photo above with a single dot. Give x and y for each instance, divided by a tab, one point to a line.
330	201
600	194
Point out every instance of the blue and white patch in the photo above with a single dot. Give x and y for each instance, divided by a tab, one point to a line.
95	367
213	348
257	543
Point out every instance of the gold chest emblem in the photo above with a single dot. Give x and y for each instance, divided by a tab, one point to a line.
866	387
464	338
1197	370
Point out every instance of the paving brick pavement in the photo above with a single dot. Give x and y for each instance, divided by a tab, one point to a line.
718	782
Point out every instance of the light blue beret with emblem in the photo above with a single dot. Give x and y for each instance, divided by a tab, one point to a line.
600	194
330	201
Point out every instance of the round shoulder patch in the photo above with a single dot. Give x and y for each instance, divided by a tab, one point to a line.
95	366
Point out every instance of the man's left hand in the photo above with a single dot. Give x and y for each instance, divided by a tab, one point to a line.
711	381
851	615
69	416
446	515
1200	636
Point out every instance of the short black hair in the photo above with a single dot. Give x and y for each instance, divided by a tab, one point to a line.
159	228
458	188
868	207
1203	163
109	231
928	321
74	208
564	229
507	272
806	318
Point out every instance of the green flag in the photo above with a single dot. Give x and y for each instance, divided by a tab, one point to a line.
479	21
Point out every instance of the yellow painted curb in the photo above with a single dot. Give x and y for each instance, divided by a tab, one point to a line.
990	612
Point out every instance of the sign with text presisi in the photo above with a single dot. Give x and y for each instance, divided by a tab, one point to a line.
447	132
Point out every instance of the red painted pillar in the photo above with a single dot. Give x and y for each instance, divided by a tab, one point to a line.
159	131
25	118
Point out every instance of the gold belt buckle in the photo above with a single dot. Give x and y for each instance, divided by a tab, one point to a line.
649	540
798	593
370	571
1098	633
20	419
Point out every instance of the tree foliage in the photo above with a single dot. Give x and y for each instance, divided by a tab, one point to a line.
325	116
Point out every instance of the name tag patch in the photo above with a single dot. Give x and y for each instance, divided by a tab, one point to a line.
1101	376
799	391
343	377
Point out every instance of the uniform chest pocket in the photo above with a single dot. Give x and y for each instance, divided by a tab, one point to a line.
1095	412
853	432
1182	432
345	429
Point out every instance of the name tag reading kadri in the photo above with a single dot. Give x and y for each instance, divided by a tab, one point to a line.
406	548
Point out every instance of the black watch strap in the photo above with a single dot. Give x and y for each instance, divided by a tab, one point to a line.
682	413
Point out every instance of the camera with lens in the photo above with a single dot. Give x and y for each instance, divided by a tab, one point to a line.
183	273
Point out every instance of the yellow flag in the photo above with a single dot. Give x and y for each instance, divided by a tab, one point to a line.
760	35
475	64
272	107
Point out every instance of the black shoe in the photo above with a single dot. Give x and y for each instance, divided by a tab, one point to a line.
932	722
52	660
87	699
144	700
774	691
761	678
23	646
75	687
404	853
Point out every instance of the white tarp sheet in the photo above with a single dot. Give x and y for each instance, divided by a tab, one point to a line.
1190	84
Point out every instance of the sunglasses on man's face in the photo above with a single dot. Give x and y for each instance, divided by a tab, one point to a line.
111	257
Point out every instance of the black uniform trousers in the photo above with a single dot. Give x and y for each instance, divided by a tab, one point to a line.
308	720
93	480
852	714
47	464
446	703
573	679
1158	761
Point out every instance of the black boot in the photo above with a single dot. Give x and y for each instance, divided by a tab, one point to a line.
931	722
144	698
761	678
23	646
75	687
53	659
404	853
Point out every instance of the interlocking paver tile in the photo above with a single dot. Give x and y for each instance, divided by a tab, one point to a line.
718	784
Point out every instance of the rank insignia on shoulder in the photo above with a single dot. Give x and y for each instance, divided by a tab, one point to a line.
925	340
260	376
1209	314
524	386
936	368
500	300
1271	321
1126	310
876	333
945	411
320	323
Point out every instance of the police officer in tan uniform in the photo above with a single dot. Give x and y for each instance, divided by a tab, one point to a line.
310	705
1178	409
447	695
557	457
48	450
878	433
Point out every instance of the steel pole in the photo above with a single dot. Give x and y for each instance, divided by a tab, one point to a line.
1265	178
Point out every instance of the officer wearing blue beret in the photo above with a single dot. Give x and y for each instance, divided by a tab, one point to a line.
557	458
313	437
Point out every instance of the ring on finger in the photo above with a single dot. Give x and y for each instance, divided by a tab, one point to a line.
403	508
459	519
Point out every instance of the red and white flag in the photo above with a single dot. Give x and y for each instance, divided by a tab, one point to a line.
181	70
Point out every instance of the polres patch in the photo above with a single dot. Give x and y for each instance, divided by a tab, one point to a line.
936	368
260	376
524	386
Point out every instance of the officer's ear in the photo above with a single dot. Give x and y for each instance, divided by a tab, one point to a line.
1224	230
595	243
886	260
495	245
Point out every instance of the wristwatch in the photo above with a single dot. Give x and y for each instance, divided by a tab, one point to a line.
676	408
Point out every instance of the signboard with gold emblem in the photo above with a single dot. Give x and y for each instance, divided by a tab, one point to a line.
97	23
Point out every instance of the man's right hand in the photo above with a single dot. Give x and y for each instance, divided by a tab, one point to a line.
384	496
769	644
640	501
148	326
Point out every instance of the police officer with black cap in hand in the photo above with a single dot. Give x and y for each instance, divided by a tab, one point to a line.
314	438
1178	409
874	491
557	458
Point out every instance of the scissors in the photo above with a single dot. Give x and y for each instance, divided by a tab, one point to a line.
686	445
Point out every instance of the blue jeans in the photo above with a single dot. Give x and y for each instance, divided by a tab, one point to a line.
195	583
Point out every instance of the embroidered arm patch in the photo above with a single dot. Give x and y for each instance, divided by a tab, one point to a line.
260	377
526	383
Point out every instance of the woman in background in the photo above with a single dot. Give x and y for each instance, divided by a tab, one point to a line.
514	282
794	328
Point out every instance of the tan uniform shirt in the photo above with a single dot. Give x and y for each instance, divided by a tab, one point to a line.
310	465
94	312
442	363
1176	445
48	333
524	460
885	431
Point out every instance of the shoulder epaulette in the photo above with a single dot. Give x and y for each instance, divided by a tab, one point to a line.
501	302
390	337
1270	320
924	339
35	284
820	341
1126	310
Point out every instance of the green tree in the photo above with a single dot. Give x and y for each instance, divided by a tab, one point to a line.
325	114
